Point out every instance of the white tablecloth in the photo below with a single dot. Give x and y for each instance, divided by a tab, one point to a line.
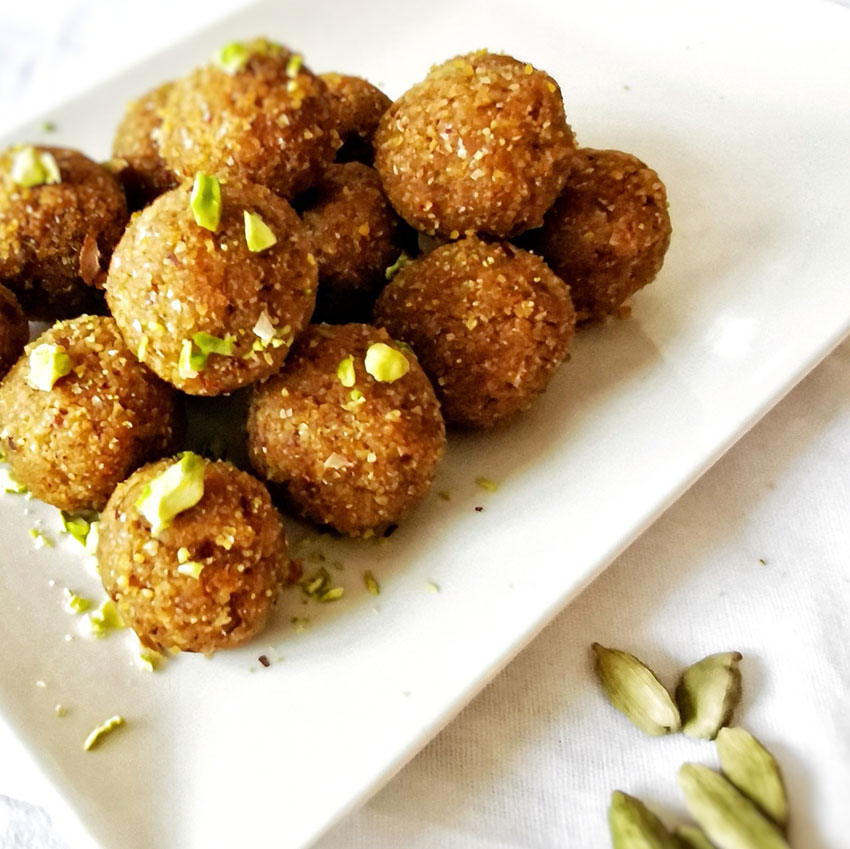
755	557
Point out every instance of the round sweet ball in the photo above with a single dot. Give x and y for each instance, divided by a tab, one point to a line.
60	217
480	146
490	323
79	413
355	236
357	108
608	232
207	577
255	112
212	310
14	330
145	175
350	428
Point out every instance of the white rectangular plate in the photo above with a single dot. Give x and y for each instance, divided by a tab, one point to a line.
743	110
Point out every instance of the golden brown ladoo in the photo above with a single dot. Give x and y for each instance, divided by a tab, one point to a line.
257	113
60	217
608	232
355	235
480	146
105	414
201	308
210	578
490	323
14	330
145	175
349	449
357	108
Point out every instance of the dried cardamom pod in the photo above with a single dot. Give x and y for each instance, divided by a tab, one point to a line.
691	837
728	818
708	693
633	689
634	826
754	771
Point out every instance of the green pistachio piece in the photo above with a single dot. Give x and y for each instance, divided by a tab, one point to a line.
708	693
634	826
31	167
232	57
371	583
258	234
486	483
635	691
754	771
205	201
191	362
345	372
102	730
104	619
396	266
728	818
178	488
75	603
385	363
209	344
48	363
78	525
294	64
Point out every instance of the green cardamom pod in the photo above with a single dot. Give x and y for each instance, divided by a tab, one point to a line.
633	689
754	771
728	818
708	693
691	837
634	826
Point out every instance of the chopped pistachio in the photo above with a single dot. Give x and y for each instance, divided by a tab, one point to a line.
345	372
486	483
78	525
293	65
93	537
31	168
208	344
48	363
191	362
102	730
385	363
48	127
232	57
434	588
205	201
333	594
371	584
258	235
191	568
178	488
355	399
75	603
103	619
39	538
396	266
11	485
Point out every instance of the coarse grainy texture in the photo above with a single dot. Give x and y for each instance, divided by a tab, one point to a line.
608	232
72	445
136	142
269	122
355	235
56	238
357	107
481	145
490	323
236	536
14	330
171	279
355	456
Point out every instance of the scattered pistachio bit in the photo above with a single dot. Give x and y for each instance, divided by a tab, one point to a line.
355	399
208	344
104	619
61	710
78	525
486	483
385	364
191	361
433	587
371	584
205	201
691	837
258	235
31	168
232	57
345	372
635	691
148	659
396	266
178	488
333	594
754	771
48	127
102	730
708	693
40	539
191	568
634	826
48	363
11	485
75	603
729	819
93	537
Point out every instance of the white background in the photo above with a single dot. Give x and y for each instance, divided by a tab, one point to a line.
531	762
